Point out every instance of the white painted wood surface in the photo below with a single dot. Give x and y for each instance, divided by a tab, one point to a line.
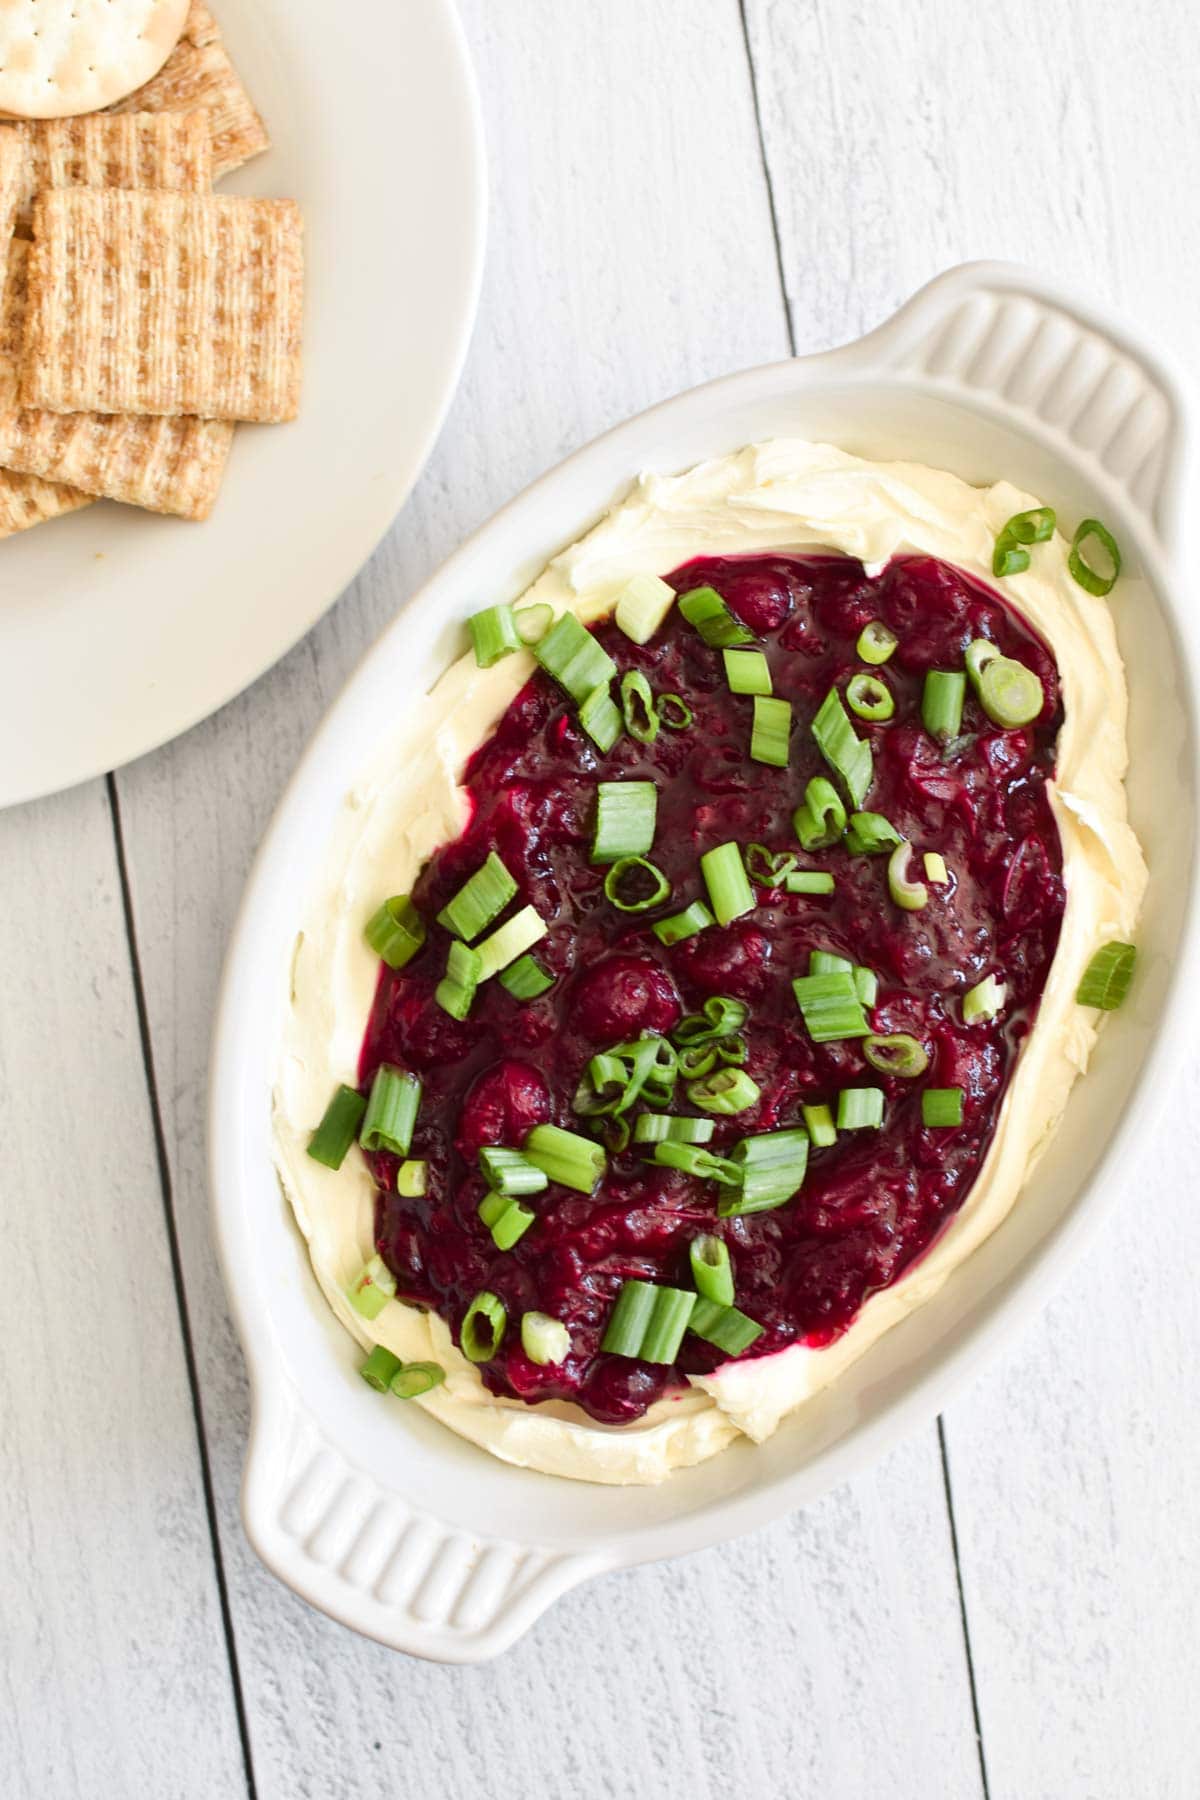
632	253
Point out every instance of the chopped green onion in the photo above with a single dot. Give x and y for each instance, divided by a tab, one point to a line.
942	703
412	1179
819	1123
616	887
577	661
1011	695
570	1160
767	869
543	1339
935	868
724	1326
525	979
662	1128
900	1054
729	891
696	1060
494	634
808	881
637	707
985	1001
642	607
1094	580
600	717
338	1128
866	984
455	992
674	712
509	1172
1035	527
831	1006
860	1109
391	1111
773	1167
724	1091
615	1078
483	1326
720	1016
685	924
847	754
505	1218
479	900
1107	977
612	1132
518	934
693	1159
910	896
869	698
978	654
870	834
648	1322
828	962
415	1379
379	1368
747	672
373	1289
704	609
875	643
770	731
942	1106
822	818
712	1270
396	932
626	815
533	622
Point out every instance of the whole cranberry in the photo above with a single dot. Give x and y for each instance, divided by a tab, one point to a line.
502	1106
622	996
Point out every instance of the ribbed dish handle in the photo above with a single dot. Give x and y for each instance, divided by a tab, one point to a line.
1012	341
366	1557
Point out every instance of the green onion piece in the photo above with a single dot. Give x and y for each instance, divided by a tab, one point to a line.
704	609
612	1132
724	1326
494	634
1011	695
573	656
696	1060
493	1207
712	1270
860	1109
875	643
729	891
505	1218
685	924
900	1054
396	932
509	1172
693	1159
616	887
533	622
455	992
747	672
600	717
1094	580
831	1006
870	834
642	607
483	1327
942	703
827	962
773	1167
391	1111
648	1322
661	1128
525	979
1107	977
935	868
570	1160
808	881
373	1289
338	1128
942	1106
674	712
617	1077
820	1126
1033	527
847	754
626	815
543	1339
518	934
822	818
910	896
479	900
637	707
415	1379
985	1001
866	984
766	868
770	731
412	1179
668	1322
869	698
978	654
724	1091
379	1368
720	1016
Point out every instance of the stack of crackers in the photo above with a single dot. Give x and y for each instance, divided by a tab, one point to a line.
141	315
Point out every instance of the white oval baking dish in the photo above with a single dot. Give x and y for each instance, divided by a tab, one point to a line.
391	1523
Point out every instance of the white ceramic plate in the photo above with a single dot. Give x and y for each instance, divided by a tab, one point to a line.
118	628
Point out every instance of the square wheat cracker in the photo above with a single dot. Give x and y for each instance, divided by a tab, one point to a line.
26	501
198	72
164	303
170	152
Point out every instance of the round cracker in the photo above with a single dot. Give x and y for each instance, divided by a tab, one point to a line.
61	57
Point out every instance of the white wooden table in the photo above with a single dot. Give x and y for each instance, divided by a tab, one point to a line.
1006	1605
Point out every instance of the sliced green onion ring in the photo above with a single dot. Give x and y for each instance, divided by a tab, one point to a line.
412	1178
685	924
480	900
568	1159
876	643
416	1378
773	1166
985	1001
373	1289
338	1128
1094	580
493	634
935	868
747	672
543	1339
626	817
391	1113
767	868
511	940
910	896
637	707
1107	977
870	698
712	1270
505	1218
642	607
661	1128
870	834
396	931
696	1060
860	1109
379	1368
456	990
600	717
483	1327
674	712
898	1054
847	754
720	1016
616	884
509	1172
1011	695
831	1007
525	979
1034	527
866	984
533	622
942	703
693	1159
729	891
576	660
821	820
706	611
648	1322
771	731
978	654
809	881
726	1090
942	1106
730	1330
819	1124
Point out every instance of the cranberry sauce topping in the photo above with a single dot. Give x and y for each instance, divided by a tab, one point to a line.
875	1199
